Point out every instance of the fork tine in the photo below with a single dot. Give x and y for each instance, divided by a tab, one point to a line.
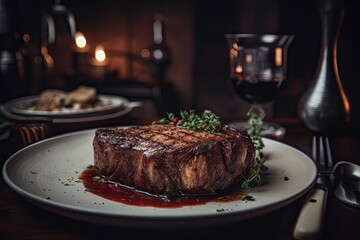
321	153
314	149
328	154
322	157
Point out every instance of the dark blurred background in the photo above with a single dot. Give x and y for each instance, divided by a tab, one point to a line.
192	71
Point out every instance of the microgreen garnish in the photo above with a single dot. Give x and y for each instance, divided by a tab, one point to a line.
207	121
253	176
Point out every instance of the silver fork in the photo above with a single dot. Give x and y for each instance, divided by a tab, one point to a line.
321	153
310	220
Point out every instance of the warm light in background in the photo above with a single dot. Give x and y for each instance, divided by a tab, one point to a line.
235	46
100	54
248	58
47	57
26	37
145	53
278	56
234	53
80	40
239	69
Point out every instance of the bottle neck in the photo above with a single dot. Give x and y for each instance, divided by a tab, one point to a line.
158	31
330	16
328	30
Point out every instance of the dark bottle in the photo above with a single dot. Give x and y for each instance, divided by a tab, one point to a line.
58	28
158	57
159	51
325	106
11	84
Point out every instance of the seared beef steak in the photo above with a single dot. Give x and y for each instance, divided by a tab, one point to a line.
169	160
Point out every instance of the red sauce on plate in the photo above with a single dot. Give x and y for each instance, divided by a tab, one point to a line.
115	192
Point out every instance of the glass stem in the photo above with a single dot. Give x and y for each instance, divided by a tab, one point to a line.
259	111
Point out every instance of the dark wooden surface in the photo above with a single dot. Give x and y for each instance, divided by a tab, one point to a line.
20	219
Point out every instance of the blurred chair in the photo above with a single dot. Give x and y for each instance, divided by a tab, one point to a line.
18	131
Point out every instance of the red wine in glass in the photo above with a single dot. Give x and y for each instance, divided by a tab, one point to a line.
257	72
263	90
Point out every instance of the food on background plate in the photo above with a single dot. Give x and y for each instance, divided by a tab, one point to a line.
82	96
50	100
54	100
187	156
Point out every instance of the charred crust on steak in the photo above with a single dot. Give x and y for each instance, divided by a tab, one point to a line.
169	160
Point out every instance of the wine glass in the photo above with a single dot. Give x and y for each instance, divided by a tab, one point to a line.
257	72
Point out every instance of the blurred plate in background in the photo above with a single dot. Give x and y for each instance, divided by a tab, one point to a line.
67	122
108	104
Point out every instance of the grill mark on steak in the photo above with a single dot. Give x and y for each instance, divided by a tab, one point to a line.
165	138
170	160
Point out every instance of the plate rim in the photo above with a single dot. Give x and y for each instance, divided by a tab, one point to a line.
10	106
56	206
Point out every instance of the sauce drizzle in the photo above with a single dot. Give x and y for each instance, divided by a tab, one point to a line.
115	192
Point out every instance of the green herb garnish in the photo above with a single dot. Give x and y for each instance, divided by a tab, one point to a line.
253	176
207	121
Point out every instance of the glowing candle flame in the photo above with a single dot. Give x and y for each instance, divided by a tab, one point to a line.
239	69
80	40
100	54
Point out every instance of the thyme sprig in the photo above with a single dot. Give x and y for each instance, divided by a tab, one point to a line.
206	121
253	176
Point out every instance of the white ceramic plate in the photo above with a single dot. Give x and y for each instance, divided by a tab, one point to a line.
76	122
111	104
46	173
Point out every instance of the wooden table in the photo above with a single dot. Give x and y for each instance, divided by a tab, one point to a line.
20	219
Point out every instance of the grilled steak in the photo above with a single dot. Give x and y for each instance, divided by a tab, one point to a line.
169	160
